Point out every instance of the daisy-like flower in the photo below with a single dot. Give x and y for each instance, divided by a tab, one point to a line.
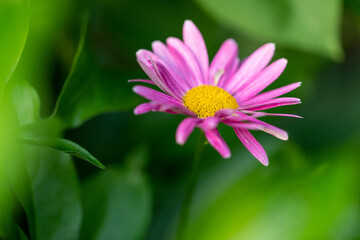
225	91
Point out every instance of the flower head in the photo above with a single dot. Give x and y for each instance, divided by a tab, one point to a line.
225	91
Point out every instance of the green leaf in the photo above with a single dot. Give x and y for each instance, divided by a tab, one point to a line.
65	146
311	25
90	90
117	204
291	200
12	159
18	178
27	102
8	228
14	23
56	194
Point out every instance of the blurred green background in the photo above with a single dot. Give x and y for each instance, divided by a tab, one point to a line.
64	67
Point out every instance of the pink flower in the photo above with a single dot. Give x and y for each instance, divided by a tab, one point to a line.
224	91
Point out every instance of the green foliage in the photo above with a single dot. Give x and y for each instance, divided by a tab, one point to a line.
14	22
56	193
117	203
293	205
65	146
88	91
311	25
309	191
27	102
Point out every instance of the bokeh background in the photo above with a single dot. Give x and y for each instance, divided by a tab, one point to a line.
64	67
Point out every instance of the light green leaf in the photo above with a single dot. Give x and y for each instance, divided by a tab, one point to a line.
12	159
65	146
311	25
89	90
117	204
14	23
56	194
27	102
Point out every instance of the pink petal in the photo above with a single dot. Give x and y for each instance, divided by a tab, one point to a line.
228	75
241	117
242	125
186	60
141	80
224	59
270	114
143	60
163	52
146	60
251	66
224	113
209	123
176	109
184	129
252	145
168	80
156	96
195	41
261	81
283	115
273	93
144	108
270	129
215	140
271	103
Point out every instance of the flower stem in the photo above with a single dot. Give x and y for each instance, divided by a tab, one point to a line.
189	191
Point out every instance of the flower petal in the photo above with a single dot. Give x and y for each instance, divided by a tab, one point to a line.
252	145
175	109
168	80
156	96
184	129
270	114
242	125
209	123
215	140
270	129
141	80
144	108
271	103
224	59
273	93
146	61
187	60
261	81
228	75
251	66
225	113
195	41
162	51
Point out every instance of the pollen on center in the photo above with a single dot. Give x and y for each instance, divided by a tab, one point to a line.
206	100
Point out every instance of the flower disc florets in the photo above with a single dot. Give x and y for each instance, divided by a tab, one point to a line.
206	100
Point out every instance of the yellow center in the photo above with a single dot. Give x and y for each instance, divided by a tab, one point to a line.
206	100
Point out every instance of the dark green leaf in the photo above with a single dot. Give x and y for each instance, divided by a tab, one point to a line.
56	194
14	23
8	228
66	146
89	90
117	204
311	25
